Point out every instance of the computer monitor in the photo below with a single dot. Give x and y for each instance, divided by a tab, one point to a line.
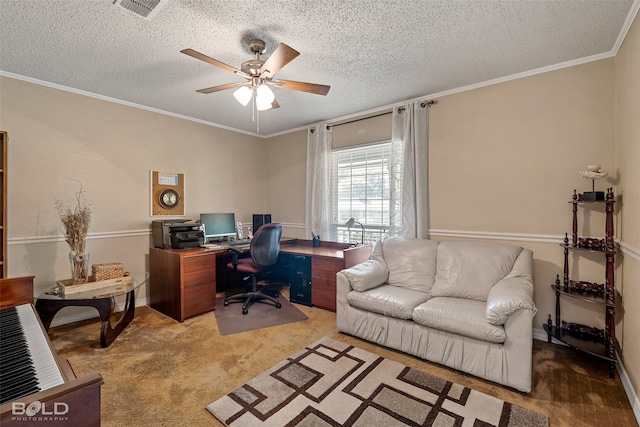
217	226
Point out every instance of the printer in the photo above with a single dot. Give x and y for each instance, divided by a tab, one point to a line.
177	234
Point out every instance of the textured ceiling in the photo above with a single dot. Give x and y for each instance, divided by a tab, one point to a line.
372	53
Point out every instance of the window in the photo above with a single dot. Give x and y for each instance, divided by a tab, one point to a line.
360	188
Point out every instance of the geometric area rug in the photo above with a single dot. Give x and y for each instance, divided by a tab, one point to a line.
330	383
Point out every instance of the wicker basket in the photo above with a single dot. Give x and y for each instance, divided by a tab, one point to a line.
107	271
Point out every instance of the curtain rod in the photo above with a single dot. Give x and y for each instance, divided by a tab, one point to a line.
428	103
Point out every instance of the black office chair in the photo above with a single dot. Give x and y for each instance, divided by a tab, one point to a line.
264	249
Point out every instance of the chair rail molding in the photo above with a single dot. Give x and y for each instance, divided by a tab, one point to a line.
626	248
495	235
26	240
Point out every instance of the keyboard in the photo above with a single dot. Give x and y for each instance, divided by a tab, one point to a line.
213	246
239	242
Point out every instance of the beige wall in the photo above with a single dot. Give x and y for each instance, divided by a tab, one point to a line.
506	158
56	135
362	131
627	154
286	182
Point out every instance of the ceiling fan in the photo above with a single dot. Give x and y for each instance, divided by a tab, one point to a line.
260	75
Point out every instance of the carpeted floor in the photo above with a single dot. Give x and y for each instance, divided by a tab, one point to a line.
160	372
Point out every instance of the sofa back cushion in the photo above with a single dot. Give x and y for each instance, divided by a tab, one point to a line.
470	269
411	262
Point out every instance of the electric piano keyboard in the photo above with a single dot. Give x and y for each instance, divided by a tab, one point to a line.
27	364
34	382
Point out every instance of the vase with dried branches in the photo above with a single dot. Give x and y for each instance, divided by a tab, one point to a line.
75	220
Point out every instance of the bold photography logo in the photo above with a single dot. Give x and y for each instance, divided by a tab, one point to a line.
51	411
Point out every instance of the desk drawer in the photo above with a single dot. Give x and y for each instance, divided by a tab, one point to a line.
299	262
300	288
199	262
198	270
195	278
199	299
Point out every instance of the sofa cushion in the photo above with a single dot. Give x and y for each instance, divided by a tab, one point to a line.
367	275
469	269
411	262
388	300
459	316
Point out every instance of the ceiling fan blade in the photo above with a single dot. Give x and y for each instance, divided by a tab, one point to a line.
303	86
278	59
212	61
219	88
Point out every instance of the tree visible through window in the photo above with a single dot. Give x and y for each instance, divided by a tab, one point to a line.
360	188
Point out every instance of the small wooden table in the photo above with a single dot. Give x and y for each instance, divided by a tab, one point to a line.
49	303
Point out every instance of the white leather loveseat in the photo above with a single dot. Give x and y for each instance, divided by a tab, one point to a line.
466	305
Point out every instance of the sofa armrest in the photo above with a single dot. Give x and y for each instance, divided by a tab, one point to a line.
366	275
508	296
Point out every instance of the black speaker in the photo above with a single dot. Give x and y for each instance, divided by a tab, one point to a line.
259	220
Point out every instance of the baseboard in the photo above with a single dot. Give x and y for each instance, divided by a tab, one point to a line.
628	388
541	334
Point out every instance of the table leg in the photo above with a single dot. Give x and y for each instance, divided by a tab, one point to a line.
108	333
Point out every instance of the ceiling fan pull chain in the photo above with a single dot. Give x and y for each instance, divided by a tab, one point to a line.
254	107
256	113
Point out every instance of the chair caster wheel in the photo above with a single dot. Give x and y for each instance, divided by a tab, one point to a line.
278	305
245	311
226	303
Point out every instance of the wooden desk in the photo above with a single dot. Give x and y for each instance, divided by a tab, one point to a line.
183	282
325	261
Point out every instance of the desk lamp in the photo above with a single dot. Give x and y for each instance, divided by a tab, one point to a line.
352	221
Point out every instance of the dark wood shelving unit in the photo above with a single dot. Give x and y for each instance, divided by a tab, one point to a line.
596	342
590	347
581	295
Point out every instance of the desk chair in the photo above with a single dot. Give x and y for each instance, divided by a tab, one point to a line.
264	249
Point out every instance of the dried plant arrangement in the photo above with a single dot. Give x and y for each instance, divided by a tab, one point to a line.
75	220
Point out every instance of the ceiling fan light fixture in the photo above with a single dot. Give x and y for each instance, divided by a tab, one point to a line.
243	95
261	106
264	97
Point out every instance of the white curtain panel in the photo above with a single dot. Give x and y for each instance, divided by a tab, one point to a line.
409	170
318	218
